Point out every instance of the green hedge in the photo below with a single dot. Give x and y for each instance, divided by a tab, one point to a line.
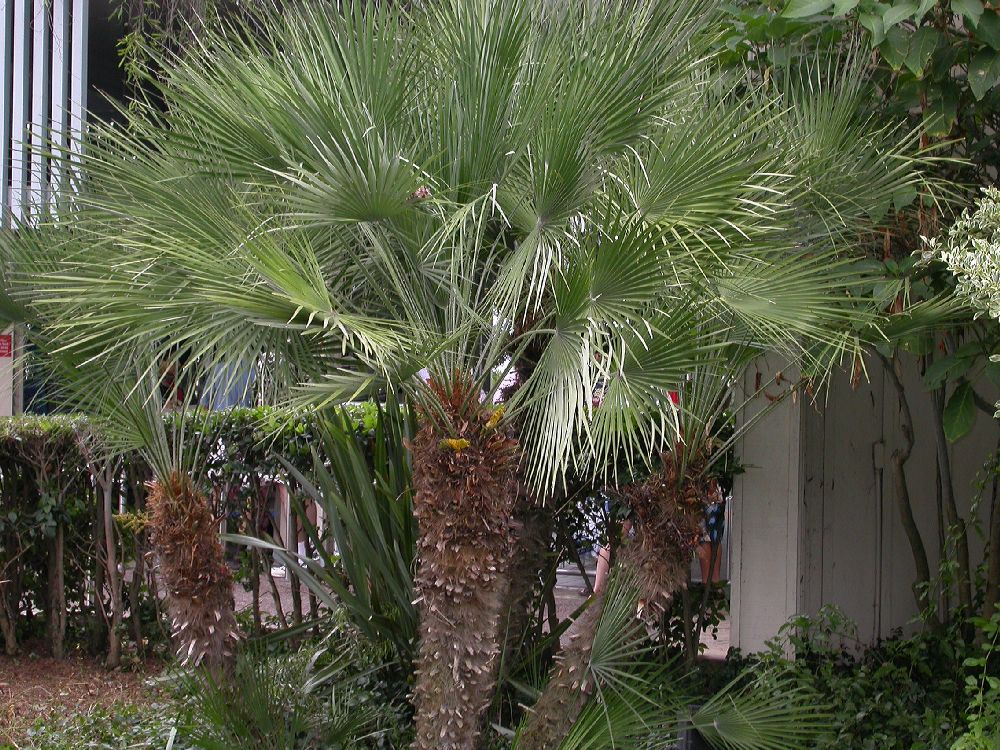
51	516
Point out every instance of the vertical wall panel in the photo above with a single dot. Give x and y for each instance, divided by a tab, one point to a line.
20	106
41	84
78	73
61	54
6	49
43	87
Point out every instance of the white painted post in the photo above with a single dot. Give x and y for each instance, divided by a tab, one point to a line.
41	82
6	48
61	57
20	92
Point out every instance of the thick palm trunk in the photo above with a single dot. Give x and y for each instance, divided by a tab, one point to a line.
668	509
199	585
465	496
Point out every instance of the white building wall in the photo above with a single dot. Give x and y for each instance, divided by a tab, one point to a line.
43	89
815	519
764	539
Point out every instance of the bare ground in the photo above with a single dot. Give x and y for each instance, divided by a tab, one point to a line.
34	687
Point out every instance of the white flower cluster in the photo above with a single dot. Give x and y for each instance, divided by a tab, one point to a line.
971	249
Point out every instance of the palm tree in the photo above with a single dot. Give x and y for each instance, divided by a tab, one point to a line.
442	196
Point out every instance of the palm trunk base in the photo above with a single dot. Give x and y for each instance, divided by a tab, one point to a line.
465	493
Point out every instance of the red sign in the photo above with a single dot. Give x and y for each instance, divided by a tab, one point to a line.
6	345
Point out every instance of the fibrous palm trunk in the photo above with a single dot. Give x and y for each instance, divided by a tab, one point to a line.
192	562
567	690
529	562
667	510
465	492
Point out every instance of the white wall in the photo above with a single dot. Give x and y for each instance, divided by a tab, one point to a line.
765	522
815	519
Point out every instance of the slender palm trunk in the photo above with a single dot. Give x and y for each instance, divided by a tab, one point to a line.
465	497
199	585
902	493
528	564
668	508
956	524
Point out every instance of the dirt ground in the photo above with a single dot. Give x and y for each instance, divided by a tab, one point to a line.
32	687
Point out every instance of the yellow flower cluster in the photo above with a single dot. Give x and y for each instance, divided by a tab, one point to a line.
456	444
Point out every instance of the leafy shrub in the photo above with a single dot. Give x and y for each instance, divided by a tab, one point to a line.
124	726
902	694
48	498
983	687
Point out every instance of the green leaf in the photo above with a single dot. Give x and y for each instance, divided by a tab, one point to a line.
942	109
945	369
984	72
918	344
971	9
874	25
843	7
922	45
895	47
903	198
925	6
992	371
959	413
897	13
988	29
805	8
877	209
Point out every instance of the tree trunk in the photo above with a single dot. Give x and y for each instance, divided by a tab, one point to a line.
135	488
99	620
528	564
668	508
199	585
465	493
56	624
114	576
956	524
255	568
8	620
901	491
992	593
279	610
568	689
135	594
293	581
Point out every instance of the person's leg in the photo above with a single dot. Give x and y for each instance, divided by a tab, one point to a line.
604	559
603	566
704	558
